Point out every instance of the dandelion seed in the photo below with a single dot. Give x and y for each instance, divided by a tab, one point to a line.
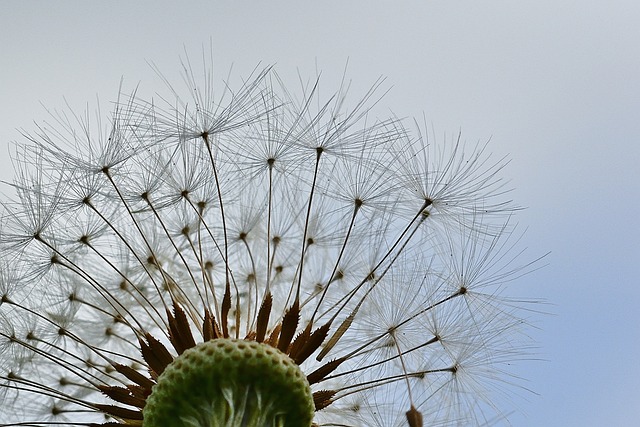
257	259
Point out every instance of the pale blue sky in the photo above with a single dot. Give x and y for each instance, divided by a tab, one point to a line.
555	84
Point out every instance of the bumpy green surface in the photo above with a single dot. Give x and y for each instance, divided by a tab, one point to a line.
230	383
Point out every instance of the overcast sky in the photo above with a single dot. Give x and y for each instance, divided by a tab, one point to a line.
555	84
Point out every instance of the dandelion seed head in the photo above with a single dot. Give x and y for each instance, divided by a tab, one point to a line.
252	256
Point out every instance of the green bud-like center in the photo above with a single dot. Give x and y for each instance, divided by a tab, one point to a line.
230	383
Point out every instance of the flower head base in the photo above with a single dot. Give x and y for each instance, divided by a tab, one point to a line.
252	260
232	383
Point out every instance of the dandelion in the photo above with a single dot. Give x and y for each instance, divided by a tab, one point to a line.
258	258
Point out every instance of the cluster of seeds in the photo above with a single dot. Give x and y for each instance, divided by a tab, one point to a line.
254	258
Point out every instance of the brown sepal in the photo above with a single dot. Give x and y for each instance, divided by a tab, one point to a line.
300	341
135	376
263	317
414	417
273	337
312	344
324	370
344	326
210	329
289	326
323	398
179	329
226	306
155	354
122	395
120	413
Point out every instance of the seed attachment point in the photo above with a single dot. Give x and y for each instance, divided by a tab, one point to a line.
230	382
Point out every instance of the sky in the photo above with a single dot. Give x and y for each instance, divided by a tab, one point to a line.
553	84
